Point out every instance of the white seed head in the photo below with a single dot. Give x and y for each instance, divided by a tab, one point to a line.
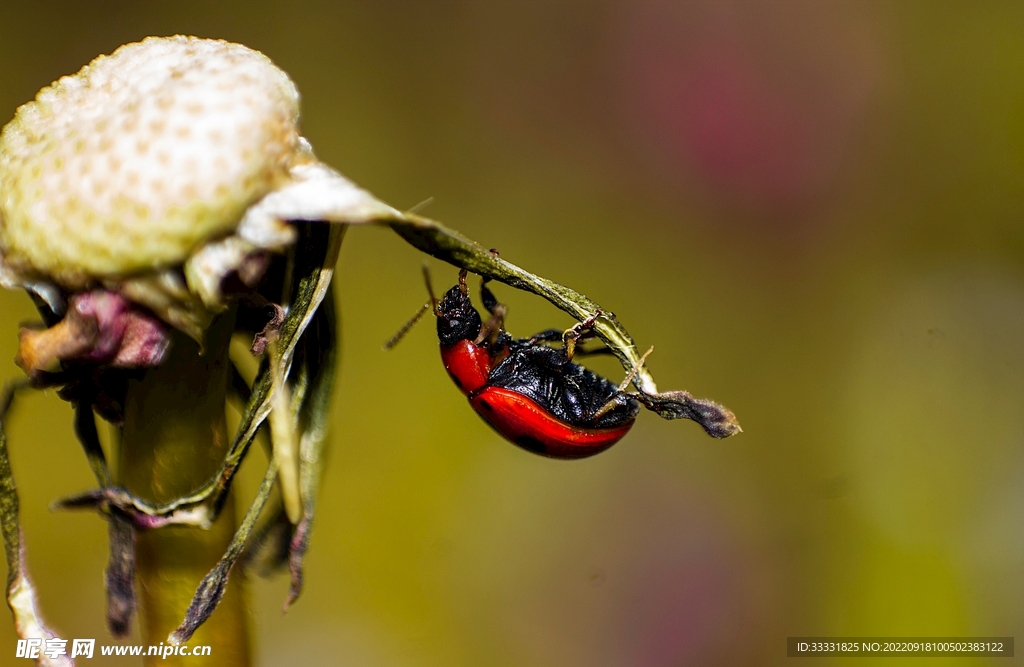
141	157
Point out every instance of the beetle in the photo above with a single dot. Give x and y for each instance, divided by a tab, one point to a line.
532	394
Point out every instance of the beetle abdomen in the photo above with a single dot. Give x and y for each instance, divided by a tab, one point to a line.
523	421
570	392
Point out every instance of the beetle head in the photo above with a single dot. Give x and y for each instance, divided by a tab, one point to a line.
457	319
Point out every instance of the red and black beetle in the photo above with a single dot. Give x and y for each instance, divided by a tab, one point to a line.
533	395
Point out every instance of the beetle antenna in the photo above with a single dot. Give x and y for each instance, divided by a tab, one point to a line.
462	282
400	334
430	287
429	305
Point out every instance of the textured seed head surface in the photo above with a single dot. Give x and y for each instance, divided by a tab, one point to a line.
141	157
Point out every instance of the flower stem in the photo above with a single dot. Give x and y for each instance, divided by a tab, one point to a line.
174	441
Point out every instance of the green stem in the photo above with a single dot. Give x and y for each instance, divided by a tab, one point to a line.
174	441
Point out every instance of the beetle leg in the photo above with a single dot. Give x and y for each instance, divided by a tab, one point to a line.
615	401
577	331
546	336
580	352
620	395
496	322
636	368
552	335
491	329
487	297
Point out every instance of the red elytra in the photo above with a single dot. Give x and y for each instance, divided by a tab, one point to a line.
522	421
467	364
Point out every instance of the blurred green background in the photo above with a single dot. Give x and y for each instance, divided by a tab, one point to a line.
812	209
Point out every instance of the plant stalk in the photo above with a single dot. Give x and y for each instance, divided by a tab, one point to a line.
174	440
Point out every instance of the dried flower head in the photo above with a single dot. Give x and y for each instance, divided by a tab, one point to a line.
142	156
148	173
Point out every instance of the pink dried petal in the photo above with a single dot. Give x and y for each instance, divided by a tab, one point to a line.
101	327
